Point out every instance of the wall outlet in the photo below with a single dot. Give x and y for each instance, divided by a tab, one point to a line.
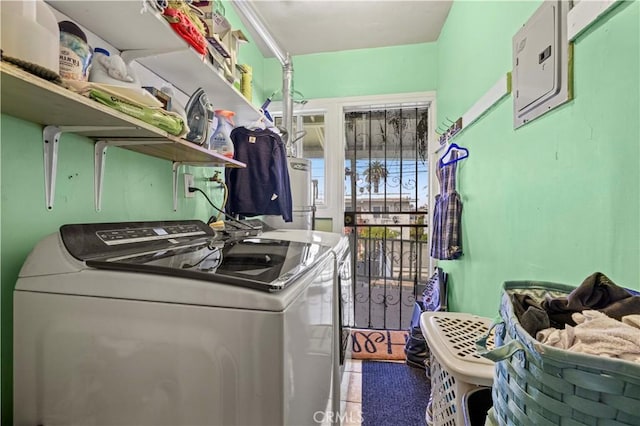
188	182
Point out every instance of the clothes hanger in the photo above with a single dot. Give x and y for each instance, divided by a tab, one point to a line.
259	124
449	158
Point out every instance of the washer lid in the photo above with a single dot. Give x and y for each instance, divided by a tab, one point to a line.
255	262
191	249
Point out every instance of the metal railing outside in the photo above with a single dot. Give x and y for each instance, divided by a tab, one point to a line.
388	278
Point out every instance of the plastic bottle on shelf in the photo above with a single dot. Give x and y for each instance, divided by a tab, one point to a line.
75	52
112	70
96	62
221	139
245	81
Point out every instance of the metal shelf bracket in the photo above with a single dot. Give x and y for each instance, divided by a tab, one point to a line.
176	172
50	141
100	159
131	55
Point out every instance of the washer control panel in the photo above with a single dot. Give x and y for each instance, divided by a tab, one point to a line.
136	235
95	240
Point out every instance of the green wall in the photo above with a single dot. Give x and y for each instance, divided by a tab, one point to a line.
383	70
248	54
558	198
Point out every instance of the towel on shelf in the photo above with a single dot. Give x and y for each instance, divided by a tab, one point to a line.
168	121
597	334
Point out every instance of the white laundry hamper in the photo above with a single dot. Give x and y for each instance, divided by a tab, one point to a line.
457	370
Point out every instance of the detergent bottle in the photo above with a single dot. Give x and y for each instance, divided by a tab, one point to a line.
221	140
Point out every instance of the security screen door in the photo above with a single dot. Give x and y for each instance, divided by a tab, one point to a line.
386	199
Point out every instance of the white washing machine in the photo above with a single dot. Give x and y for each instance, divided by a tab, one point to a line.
163	323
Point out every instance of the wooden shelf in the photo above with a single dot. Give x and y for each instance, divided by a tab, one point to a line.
126	25
33	99
129	27
60	110
187	71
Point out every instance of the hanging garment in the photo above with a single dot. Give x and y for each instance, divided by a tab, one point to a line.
446	241
263	187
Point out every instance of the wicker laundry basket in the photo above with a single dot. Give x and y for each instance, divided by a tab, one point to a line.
536	384
457	370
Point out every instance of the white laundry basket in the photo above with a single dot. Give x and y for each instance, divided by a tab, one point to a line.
456	368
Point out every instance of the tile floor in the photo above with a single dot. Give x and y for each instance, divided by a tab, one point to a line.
353	395
351	390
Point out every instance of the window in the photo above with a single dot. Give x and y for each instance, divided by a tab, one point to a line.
309	143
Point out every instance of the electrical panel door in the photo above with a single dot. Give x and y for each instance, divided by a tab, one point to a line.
540	63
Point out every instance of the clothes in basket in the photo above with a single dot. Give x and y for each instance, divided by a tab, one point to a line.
539	384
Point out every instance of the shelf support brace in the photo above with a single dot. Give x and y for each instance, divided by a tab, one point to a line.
131	55
50	141
100	159
176	172
100	151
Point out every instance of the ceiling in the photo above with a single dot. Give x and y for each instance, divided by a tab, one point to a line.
313	26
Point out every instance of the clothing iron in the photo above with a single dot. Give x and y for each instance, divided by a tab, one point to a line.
200	116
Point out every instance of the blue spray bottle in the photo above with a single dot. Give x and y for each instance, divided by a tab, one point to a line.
221	140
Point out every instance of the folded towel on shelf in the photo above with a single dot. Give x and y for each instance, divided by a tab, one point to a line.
168	121
597	334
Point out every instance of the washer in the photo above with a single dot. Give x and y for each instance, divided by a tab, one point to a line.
163	323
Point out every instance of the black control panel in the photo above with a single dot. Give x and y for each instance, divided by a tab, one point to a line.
94	240
134	235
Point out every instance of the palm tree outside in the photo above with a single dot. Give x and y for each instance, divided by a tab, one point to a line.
374	173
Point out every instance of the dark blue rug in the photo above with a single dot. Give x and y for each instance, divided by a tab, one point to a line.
393	394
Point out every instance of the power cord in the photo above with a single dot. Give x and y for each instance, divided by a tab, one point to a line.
233	219
216	178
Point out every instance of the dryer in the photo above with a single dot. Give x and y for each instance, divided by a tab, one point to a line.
165	323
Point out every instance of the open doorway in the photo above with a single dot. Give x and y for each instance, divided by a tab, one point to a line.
390	258
386	210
